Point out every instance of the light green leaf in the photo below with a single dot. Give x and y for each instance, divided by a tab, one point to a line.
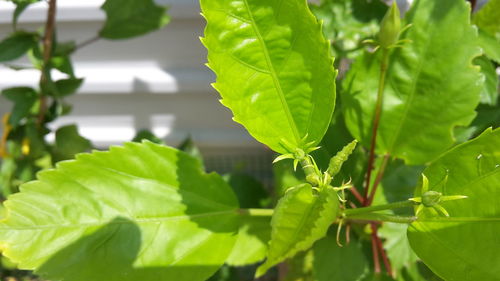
138	212
23	98
16	45
397	246
130	18
429	90
489	93
273	68
69	143
488	18
334	263
490	46
464	246
301	217
251	244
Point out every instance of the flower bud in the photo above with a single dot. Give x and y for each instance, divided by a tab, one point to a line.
431	198
390	27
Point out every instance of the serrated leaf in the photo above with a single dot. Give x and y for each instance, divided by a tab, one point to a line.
489	93
301	217
273	68
138	212
428	89
16	45
464	246
23	98
251	244
130	18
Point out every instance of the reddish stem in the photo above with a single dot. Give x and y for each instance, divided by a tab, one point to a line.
385	259
375	250
356	194
378	179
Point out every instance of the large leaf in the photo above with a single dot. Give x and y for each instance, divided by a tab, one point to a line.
429	89
139	212
489	93
251	244
273	68
301	217
464	246
130	18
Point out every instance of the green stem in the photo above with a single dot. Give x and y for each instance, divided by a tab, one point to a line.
381	217
371	209
376	120
310	171
256	212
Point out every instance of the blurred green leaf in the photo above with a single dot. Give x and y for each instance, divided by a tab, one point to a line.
488	18
130	18
24	98
69	143
16	45
147	135
489	93
66	87
250	192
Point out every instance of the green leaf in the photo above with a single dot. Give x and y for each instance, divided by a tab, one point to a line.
273	68
348	22
301	217
428	90
250	192
251	244
348	263
66	87
138	212
149	136
130	18
490	45
397	246
489	93
69	143
16	45
462	247
24	98
488	18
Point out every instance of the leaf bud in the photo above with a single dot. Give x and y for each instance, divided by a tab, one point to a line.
431	198
390	27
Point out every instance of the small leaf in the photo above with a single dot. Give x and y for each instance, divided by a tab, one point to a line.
138	212
274	69
149	136
66	87
300	218
69	143
489	93
24	98
467	238
490	46
130	18
427	92
16	45
488	18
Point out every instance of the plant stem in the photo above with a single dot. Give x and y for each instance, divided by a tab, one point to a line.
375	250
371	209
256	212
87	42
376	120
48	42
381	218
356	194
385	259
378	179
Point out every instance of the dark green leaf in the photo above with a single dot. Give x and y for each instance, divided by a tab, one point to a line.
16	45
69	143
250	192
130	18
463	246
24	98
148	135
66	87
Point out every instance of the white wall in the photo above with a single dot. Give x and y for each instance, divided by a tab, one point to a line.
157	81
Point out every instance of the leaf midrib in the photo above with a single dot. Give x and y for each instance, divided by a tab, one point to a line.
129	220
273	74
